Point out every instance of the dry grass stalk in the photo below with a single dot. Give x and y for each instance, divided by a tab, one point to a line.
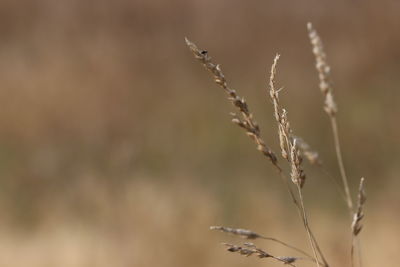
290	152
289	149
283	124
356	225
246	121
249	249
289	145
330	105
331	109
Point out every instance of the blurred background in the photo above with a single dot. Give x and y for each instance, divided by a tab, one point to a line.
116	147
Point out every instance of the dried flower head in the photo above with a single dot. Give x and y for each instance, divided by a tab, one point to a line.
323	70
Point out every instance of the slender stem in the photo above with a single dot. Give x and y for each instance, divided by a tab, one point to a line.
331	109
355	244
308	256
341	164
302	212
283	261
291	193
352	250
304	218
287	245
360	262
338	187
319	250
287	142
305	222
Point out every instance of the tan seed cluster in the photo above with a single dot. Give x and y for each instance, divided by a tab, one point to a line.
323	70
288	145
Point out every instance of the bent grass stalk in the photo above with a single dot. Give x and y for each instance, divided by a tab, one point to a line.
330	107
291	153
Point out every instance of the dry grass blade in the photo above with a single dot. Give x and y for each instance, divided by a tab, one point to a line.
246	121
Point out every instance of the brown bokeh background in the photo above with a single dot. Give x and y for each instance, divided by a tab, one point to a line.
116	147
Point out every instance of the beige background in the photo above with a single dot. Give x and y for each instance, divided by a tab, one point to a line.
116	147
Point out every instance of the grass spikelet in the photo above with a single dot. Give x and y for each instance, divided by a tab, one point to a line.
249	249
356	225
323	70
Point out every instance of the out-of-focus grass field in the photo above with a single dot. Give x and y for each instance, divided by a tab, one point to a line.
116	147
